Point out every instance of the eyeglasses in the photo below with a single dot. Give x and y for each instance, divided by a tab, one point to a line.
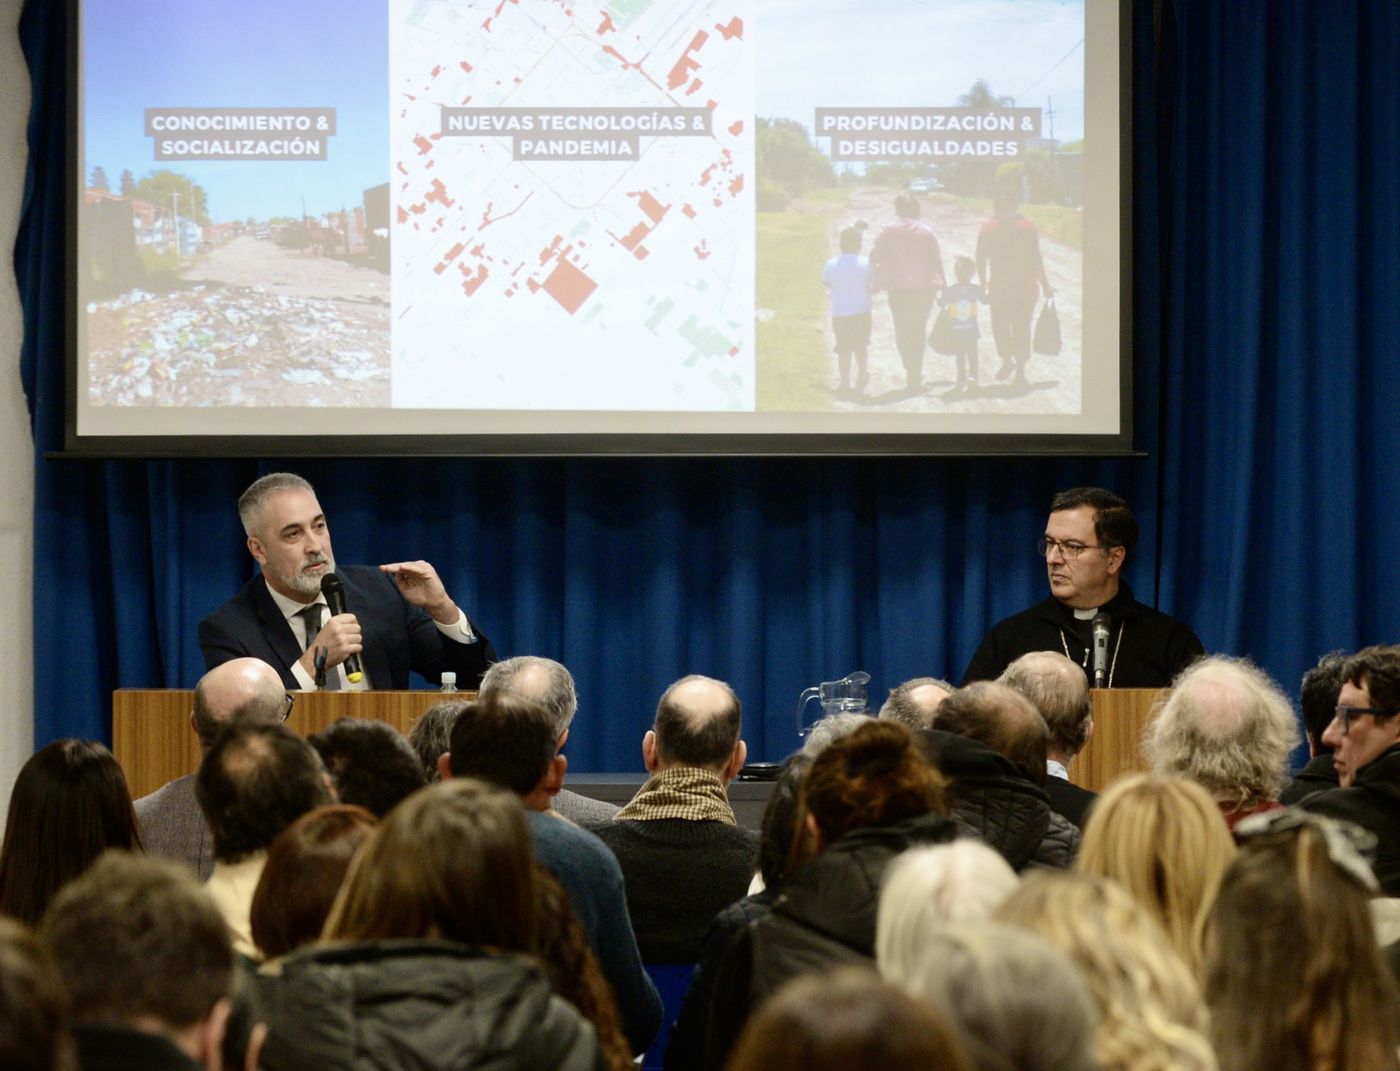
287	706
1345	714
1045	546
1349	847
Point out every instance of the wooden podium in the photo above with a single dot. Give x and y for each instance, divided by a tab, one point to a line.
153	741
1120	716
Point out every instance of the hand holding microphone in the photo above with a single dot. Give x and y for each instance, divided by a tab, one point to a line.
340	635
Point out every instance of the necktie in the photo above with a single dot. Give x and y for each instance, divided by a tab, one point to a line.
311	615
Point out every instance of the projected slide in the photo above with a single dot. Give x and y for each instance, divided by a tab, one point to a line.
711	218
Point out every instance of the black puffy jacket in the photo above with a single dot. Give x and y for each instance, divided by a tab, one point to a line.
418	1006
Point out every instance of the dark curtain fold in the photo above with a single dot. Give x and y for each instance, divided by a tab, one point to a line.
1264	248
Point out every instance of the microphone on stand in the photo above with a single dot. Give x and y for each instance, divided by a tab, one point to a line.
333	588
1101	629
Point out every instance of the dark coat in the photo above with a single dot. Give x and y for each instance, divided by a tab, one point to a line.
1372	802
996	803
1146	647
418	1006
1069	800
1317	775
398	637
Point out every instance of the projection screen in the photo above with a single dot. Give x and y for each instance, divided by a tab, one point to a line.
603	226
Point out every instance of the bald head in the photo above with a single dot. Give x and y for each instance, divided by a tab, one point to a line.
1060	691
1003	719
915	702
697	724
245	689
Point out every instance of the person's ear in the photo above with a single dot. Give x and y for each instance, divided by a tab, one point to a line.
1088	731
649	756
1116	556
256	1037
445	766
255	548
554	776
736	761
563	739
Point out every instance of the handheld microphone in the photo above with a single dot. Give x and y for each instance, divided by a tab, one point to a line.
1101	628
333	588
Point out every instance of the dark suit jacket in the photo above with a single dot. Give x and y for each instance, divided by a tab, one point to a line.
398	637
1069	799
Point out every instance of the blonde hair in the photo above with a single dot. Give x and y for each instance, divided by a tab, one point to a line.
926	887
1153	1018
1165	841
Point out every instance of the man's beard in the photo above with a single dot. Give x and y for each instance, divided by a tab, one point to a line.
308	584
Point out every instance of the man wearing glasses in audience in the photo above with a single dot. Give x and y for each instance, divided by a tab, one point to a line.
1365	739
1087	540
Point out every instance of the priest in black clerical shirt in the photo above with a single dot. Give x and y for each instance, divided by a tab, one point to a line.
1087	540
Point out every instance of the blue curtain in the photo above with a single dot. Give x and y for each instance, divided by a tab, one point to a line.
1264	245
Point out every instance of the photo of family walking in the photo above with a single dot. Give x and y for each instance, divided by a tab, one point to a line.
906	269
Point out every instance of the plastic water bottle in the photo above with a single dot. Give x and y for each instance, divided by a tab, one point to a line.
449	682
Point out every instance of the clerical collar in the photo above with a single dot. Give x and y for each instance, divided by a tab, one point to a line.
1089	614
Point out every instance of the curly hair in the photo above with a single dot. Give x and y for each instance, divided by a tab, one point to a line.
1293	976
875	777
1165	841
1152	1015
1228	727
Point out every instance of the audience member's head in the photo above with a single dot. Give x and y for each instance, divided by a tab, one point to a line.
925	888
1318	697
697	724
573	969
1056	685
1365	725
70	804
370	764
1228	727
847	1020
1293	976
306	865
778	830
540	680
1003	719
451	862
253	783
140	945
827	730
508	741
1017	1003
431	735
1150	1007
916	701
243	689
1164	840
33	1005
873	778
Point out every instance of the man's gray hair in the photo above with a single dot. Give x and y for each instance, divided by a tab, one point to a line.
250	502
901	706
1227	726
431	735
826	731
545	682
1013	999
1060	691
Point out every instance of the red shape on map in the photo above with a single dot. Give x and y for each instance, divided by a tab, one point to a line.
694	85
653	208
439	194
465	66
403	216
736	186
737	127
548	251
733	30
569	286
635	236
424	145
437	70
689	211
702	251
473	282
606	25
452	254
733	351
681	71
